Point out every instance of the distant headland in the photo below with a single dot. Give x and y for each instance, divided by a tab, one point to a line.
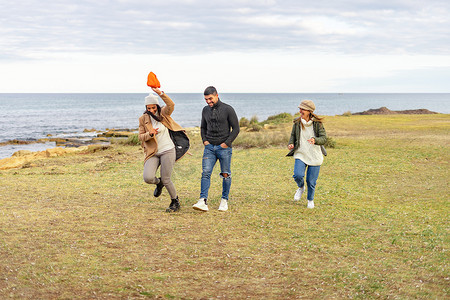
386	111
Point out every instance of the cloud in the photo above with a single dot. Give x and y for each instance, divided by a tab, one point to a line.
31	28
426	79
317	46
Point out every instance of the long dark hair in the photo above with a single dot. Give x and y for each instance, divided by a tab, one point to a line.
156	117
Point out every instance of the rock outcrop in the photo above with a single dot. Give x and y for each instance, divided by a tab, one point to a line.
386	111
22	157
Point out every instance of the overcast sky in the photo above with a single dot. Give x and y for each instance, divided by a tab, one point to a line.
236	45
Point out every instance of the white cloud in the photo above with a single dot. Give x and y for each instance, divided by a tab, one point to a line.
229	71
320	46
327	26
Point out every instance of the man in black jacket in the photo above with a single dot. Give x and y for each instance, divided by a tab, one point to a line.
219	128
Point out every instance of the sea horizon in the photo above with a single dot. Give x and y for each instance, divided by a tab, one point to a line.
32	116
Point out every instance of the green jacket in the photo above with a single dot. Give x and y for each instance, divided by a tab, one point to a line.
319	132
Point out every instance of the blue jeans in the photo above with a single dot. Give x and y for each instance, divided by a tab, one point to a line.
311	177
211	154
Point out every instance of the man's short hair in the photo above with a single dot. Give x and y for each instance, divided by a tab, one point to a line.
210	90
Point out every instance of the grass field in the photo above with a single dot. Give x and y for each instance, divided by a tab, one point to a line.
86	226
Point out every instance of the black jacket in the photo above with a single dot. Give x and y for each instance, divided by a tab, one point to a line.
181	142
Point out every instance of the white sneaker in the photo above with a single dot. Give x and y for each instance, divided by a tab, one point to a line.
200	205
223	205
299	193
310	204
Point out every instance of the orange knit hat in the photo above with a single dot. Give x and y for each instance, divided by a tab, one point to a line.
152	81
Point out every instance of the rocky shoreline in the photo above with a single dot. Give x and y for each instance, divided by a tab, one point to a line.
23	158
102	140
386	111
102	137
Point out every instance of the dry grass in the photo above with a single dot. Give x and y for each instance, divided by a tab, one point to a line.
277	136
86	226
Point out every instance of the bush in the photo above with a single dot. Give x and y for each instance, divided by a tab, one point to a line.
256	127
347	114
279	119
254	120
244	122
131	140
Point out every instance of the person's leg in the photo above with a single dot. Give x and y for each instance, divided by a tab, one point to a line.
311	178
150	167
299	173
224	155
167	160
208	162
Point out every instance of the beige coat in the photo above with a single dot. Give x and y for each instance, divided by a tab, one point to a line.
148	140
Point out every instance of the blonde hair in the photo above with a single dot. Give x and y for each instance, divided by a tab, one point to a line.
317	118
313	117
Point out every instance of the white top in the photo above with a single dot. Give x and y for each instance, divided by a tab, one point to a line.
163	137
309	154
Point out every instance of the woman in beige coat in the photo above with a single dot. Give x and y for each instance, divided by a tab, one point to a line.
164	142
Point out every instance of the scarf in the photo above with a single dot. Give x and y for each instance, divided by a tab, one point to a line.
157	117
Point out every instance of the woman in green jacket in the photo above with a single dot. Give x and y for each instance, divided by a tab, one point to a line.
307	135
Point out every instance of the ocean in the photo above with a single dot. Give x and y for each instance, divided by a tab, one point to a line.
34	116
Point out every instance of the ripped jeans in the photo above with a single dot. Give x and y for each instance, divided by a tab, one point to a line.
211	154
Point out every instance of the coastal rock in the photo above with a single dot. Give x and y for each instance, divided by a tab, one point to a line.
77	141
16	142
95	148
55	152
58	141
100	140
12	162
269	126
22	157
386	111
121	129
22	153
116	134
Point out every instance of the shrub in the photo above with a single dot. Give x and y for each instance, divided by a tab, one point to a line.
279	119
347	114
254	120
256	127
131	140
244	122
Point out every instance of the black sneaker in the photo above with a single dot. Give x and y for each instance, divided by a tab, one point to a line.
158	189
174	205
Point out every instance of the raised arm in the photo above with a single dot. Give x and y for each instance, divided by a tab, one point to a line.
170	105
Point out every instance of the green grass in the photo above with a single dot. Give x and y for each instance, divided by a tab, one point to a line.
86	226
